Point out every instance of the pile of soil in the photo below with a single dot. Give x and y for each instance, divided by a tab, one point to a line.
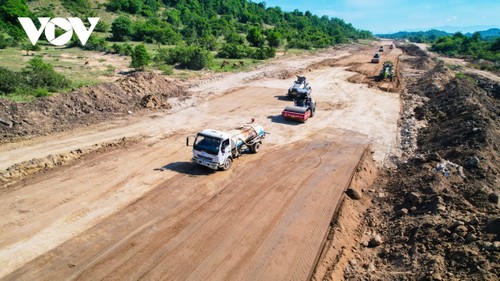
440	218
87	105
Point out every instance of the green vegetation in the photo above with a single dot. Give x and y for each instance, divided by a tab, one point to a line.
140	57
37	79
417	37
173	34
459	45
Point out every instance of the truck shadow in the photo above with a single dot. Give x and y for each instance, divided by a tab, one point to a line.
188	168
279	119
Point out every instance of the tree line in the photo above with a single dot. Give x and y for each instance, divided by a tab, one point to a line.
459	45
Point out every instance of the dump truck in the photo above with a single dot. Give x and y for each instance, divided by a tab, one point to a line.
387	71
304	107
299	86
381	49
217	149
376	58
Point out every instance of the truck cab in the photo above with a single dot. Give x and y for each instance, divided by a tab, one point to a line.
211	148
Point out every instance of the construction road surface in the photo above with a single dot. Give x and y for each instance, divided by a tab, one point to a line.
266	221
142	210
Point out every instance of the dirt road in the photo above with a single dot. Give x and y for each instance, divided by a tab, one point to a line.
100	216
265	219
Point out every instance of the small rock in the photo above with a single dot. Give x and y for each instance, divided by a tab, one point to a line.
413	209
375	241
457	223
494	198
472	163
493	226
353	193
129	112
353	262
402	212
436	277
441	208
470	238
413	198
371	267
461	230
365	243
474	220
495	246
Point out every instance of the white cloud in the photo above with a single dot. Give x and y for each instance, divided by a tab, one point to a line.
452	19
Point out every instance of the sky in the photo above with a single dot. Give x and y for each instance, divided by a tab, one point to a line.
389	16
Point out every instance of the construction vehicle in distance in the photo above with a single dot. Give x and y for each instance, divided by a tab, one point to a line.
299	86
391	46
376	58
217	149
386	72
303	108
381	49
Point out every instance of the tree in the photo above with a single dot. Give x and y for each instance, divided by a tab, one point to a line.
9	81
140	57
10	10
122	28
255	37
40	74
274	39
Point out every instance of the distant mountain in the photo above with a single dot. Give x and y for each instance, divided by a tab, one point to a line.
488	34
433	34
422	36
453	29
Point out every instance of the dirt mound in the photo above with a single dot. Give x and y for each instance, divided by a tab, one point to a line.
87	105
420	59
441	218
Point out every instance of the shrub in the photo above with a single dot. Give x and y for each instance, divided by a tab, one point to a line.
263	53
234	51
190	57
9	81
140	57
39	74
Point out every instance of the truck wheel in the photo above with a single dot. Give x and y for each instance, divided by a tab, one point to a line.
313	110
256	147
227	164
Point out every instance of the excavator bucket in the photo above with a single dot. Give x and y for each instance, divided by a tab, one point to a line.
296	113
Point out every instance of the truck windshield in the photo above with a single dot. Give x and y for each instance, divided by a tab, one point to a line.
208	144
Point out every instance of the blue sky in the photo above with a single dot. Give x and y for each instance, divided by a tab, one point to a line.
388	16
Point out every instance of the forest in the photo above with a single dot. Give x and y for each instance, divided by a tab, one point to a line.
226	29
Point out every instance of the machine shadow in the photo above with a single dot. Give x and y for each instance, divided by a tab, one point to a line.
285	98
279	119
187	168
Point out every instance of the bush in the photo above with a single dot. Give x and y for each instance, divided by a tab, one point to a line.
93	44
9	81
263	53
140	57
122	28
102	26
39	74
234	51
190	57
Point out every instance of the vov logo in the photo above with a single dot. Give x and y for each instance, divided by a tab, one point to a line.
49	25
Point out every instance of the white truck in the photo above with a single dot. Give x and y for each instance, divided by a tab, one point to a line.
217	150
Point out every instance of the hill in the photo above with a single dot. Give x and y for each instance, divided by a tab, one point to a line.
491	33
433	34
198	22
